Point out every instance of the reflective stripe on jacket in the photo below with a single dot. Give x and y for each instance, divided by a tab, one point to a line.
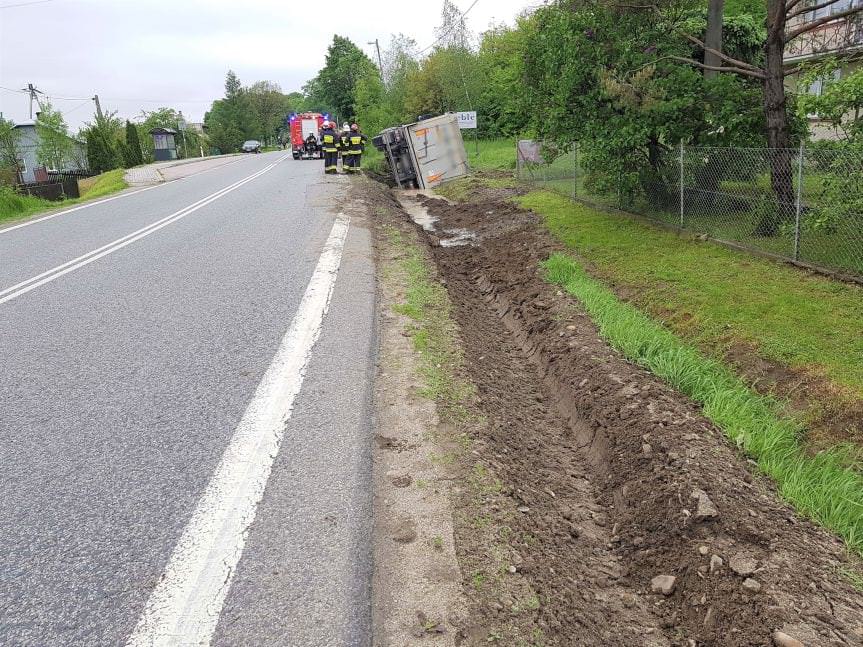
357	141
329	140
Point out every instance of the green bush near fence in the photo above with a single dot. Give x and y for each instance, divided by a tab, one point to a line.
727	195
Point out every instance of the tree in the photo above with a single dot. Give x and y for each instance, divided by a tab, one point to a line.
105	142
99	158
787	20
229	120
840	102
335	83
608	79
54	143
452	31
269	106
10	152
713	36
134	156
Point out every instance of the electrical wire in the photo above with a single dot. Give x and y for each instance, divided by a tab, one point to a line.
24	4
447	32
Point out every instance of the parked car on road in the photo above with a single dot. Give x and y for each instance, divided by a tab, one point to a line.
252	146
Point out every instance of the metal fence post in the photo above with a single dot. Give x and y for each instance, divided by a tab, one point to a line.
575	170
799	203
681	184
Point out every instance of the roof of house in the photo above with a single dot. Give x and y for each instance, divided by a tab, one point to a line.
163	131
32	124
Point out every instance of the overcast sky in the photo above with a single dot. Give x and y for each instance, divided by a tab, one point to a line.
149	53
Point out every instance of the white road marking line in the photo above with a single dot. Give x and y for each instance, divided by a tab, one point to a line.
103	201
34	282
121	239
185	606
78	208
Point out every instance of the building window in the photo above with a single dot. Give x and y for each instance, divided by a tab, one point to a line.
22	165
831	10
817	86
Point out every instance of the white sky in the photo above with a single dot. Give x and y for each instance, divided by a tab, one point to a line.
150	53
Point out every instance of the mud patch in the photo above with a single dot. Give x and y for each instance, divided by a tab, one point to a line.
602	473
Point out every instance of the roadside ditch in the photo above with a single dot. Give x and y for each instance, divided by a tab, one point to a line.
590	503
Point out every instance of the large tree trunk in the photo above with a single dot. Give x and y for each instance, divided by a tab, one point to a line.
713	37
781	177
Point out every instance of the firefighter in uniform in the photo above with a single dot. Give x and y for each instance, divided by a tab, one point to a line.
356	145
344	145
330	145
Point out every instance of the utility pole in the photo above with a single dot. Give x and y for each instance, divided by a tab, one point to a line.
34	96
98	106
378	48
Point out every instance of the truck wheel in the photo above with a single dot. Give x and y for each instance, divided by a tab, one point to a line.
296	156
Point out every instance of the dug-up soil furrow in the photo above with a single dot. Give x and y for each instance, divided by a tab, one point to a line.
614	479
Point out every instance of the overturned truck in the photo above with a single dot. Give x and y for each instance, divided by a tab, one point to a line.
424	154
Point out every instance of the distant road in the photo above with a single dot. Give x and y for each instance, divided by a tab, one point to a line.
152	347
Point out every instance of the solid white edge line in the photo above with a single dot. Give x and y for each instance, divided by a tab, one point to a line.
27	223
85	259
185	606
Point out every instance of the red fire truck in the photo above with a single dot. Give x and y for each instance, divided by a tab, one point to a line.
303	127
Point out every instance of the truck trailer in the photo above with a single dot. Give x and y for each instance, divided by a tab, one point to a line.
426	153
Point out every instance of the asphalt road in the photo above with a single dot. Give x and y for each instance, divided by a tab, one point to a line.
127	375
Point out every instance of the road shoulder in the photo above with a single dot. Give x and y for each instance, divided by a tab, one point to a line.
416	587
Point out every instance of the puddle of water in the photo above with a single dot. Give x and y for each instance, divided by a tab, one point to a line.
458	237
420	215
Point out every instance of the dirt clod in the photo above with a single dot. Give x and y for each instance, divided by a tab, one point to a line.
403	480
743	565
664	584
715	563
622	453
751	585
781	639
705	508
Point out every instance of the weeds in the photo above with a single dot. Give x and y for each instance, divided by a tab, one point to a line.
434	336
716	297
14	205
820	486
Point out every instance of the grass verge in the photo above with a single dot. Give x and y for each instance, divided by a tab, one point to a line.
720	299
433	333
14	206
824	487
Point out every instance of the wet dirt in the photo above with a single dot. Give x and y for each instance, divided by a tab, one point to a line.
609	478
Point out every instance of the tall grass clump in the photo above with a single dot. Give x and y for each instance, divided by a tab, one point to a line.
828	487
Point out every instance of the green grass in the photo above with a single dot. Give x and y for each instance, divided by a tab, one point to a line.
434	335
494	154
717	297
14	206
104	184
823	486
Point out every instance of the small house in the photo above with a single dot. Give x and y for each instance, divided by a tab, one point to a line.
28	144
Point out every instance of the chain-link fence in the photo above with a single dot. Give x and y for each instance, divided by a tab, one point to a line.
802	204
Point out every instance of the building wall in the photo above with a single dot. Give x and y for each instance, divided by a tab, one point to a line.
818	128
28	143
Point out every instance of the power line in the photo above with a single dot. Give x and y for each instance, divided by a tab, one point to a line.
24	4
446	33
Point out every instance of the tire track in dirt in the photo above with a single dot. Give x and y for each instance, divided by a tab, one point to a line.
617	478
